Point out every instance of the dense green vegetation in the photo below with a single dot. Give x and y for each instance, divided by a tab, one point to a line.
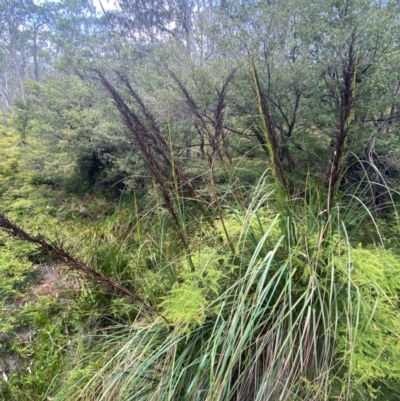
199	200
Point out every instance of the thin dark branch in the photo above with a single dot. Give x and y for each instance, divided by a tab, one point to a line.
63	257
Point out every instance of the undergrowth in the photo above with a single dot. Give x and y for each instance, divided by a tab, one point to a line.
272	298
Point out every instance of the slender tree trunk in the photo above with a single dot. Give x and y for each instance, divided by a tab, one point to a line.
187	25
3	109
3	98
209	41
35	56
346	102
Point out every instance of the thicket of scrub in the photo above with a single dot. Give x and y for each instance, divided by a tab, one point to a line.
277	297
200	201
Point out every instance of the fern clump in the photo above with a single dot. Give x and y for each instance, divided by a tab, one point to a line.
368	337
188	302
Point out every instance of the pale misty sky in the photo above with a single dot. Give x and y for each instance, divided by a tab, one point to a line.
107	4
